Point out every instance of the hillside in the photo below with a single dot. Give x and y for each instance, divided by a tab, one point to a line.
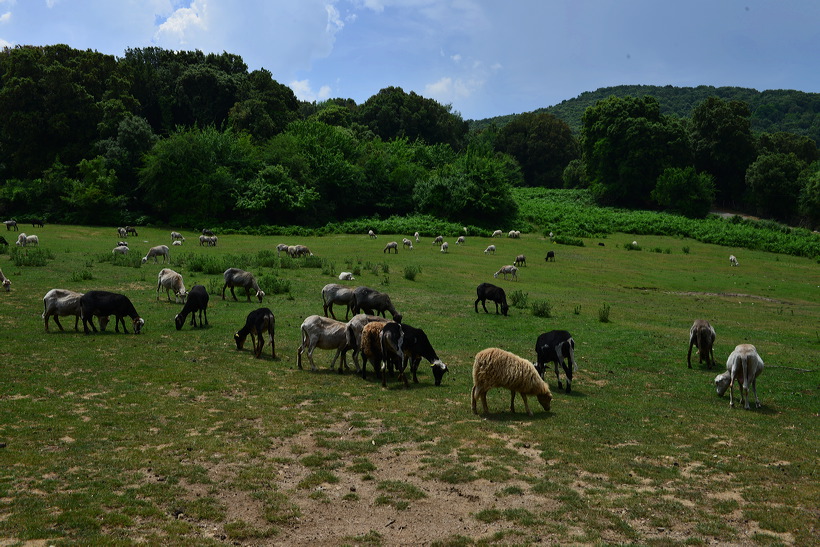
773	110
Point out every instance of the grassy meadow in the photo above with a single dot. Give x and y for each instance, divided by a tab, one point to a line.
177	438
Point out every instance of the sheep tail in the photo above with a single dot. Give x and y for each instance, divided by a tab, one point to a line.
571	344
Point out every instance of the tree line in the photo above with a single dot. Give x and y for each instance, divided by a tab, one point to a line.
194	139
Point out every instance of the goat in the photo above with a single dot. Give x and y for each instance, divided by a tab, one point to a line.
445	247
154	252
372	234
507	270
197	301
520	260
108	303
11	224
460	240
489	249
258	322
494	367
333	293
497	233
61	303
131	230
176	236
732	260
550	256
745	365
353	332
554	346
702	336
487	291
346	276
171	281
5	281
323	333
234	277
392	246
402	344
370	300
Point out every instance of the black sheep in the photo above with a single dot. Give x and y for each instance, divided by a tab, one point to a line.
258	322
103	303
488	291
197	302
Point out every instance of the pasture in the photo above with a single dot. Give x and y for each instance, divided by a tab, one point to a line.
176	438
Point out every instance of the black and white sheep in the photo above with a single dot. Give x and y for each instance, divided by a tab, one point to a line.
104	303
488	291
407	243
176	236
170	280
702	336
732	260
281	247
494	367
438	240
333	293
509	269
416	235
744	365
405	344
154	252
197	301
460	240
373	302
5	281
445	247
62	303
372	234
130	230
258	323
391	246
520	260
234	277
121	232
323	333
554	346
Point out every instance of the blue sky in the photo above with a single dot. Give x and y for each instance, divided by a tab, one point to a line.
484	57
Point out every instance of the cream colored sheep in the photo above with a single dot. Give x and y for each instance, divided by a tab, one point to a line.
494	367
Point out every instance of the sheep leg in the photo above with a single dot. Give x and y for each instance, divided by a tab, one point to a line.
233	293
754	390
473	400
526	405
689	355
333	362
512	400
225	286
272	344
311	347
56	320
557	375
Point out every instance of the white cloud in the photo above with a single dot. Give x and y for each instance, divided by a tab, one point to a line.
448	90
303	91
456	57
6	17
184	22
3	44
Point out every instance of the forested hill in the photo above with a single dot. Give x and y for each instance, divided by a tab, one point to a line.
774	110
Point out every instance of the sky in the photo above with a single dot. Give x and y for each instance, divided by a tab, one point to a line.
485	58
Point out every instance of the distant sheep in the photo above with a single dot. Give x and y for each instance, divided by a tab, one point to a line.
373	302
416	235
197	301
407	243
346	276
170	280
438	240
520	260
176	236
295	251
391	246
744	365
507	270
550	256
176	243
120	249
372	234
5	281
702	336
11	224
489	249
281	247
207	232
497	233
732	260
121	232
154	252
234	277
494	367
460	240
130	230
258	323
445	247
515	234
32	241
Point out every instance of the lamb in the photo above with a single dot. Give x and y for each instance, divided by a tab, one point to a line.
489	249
5	281
520	260
444	247
438	240
370	300
392	246
402	343
497	233
120	249
550	256
353	332
234	277
323	333
154	252
171	281
176	236
108	303
258	322
281	247
494	367
197	301
744	365
372	234
333	293
61	303
407	243
507	270
487	291
554	346
460	240
346	276
702	336
732	260
514	234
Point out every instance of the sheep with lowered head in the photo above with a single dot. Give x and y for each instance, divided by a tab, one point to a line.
494	367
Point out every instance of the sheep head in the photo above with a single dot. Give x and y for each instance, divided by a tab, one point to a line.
545	400
7	285
138	323
438	368
240	340
722	383
178	321
260	295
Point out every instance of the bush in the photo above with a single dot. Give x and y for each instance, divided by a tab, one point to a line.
83	275
541	308
565	240
272	284
631	247
519	299
603	313
411	271
30	256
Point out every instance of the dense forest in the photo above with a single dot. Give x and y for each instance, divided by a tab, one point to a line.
194	139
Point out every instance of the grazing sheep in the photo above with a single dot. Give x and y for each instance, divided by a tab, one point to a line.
353	332
507	270
346	276
494	367
295	251
21	239
404	344
489	249
210	241
392	246
702	336
129	230
197	301
258	322
732	260
497	233
372	234
438	240
550	256
444	247
520	260
460	240
176	243
333	293
11	224
3	241
634	243
416	235
234	277
99	303
323	333
32	241
5	281
171	281
371	349
121	232
176	236
207	232
203	240
552	235
744	365
514	234
281	247
370	300
61	303
407	243
554	346
120	249
154	252
487	291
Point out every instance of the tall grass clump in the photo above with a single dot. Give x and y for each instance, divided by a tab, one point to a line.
314	262
209	265
30	256
519	299
272	284
82	275
266	258
411	271
541	308
603	313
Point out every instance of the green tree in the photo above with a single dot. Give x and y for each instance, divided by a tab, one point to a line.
685	191
784	143
774	186
543	146
272	196
809	200
575	175
91	198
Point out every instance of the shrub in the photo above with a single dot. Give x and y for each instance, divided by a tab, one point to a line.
267	259
30	256
519	299
603	313
272	284
314	262
83	275
685	249
541	308
566	240
631	247
411	271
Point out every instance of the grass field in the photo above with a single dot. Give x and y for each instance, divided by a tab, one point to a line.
176	438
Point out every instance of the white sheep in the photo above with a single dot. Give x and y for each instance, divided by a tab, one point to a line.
32	240
489	249
5	281
176	243
445	247
732	260
407	243
176	236
416	235
438	240
509	269
497	233
744	365
171	281
120	249
515	234
21	239
323	333
391	246
281	247
154	252
494	367
460	240
634	243
346	276
372	234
